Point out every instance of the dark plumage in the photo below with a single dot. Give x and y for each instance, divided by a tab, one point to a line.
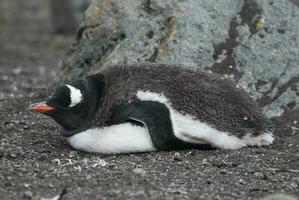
192	91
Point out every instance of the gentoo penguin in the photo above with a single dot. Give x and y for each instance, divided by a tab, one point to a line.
149	107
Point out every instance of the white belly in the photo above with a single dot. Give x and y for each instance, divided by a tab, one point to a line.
121	138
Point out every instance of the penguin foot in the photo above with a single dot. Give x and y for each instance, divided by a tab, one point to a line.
260	140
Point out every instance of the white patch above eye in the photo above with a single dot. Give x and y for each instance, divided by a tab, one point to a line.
75	95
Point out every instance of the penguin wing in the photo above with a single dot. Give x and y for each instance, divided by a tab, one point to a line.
155	116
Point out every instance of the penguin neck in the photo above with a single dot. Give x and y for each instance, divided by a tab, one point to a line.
94	95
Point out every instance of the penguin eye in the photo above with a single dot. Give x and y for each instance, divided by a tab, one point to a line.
60	98
75	96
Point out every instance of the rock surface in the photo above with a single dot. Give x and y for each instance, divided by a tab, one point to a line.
254	42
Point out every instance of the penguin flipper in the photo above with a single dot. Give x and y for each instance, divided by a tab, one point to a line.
155	116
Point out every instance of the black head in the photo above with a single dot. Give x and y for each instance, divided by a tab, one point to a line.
74	104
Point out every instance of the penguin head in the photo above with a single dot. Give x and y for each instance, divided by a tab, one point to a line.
72	105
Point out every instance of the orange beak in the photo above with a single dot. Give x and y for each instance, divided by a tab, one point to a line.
40	107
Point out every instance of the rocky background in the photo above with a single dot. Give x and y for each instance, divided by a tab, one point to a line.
253	42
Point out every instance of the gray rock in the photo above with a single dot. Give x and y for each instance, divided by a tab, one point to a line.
178	156
28	195
296	179
73	154
254	42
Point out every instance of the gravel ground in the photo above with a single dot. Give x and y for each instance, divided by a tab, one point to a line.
37	163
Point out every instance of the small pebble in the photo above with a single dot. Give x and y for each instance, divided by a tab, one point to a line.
139	171
112	166
261	175
223	172
88	177
84	161
241	181
13	155
43	157
178	156
99	163
28	194
296	179
258	174
17	70
56	161
26	127
73	154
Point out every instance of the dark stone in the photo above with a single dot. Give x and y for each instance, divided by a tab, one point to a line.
43	157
